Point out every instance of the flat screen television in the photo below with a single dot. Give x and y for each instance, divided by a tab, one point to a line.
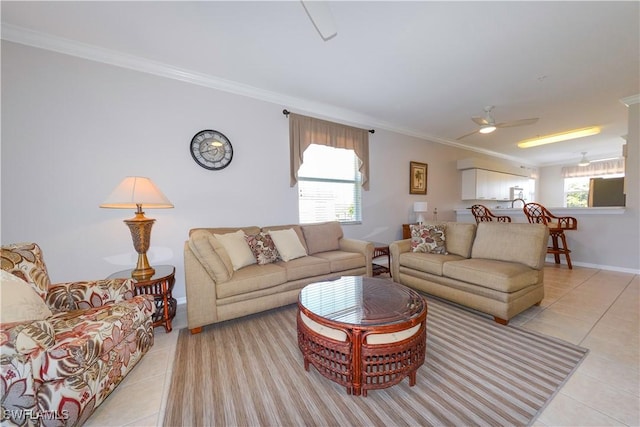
606	192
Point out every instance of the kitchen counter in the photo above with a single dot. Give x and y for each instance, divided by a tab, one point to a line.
588	246
517	214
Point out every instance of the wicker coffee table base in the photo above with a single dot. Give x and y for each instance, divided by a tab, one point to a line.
360	366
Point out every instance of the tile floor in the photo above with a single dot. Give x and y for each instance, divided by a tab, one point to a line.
593	308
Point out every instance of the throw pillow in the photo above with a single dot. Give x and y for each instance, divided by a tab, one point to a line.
288	244
20	302
428	238
237	248
263	248
322	237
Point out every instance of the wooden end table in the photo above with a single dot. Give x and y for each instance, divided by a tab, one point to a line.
368	334
380	250
160	285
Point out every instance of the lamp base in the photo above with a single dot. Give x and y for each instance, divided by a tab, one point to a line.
140	227
143	270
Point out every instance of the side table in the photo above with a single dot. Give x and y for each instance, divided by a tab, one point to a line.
160	285
379	250
406	230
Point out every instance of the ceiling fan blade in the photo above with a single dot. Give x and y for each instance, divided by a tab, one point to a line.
480	120
522	122
464	136
321	17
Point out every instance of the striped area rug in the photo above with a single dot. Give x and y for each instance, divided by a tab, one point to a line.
249	372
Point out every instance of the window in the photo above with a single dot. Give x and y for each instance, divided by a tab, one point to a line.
576	190
577	179
329	185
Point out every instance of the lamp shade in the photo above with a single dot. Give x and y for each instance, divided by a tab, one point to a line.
419	206
136	191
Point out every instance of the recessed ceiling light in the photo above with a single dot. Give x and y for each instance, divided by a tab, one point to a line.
557	137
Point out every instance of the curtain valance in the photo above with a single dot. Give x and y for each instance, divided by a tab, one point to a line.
304	131
597	168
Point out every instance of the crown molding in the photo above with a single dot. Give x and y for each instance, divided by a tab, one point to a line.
630	100
90	52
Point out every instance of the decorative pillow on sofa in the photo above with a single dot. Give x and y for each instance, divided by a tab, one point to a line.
288	244
428	238
322	237
20	302
237	248
263	248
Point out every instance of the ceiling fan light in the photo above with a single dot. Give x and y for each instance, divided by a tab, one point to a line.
584	161
487	128
558	137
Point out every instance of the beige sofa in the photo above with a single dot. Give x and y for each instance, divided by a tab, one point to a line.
218	290
495	268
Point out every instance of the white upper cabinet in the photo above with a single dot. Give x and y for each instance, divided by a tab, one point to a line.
481	184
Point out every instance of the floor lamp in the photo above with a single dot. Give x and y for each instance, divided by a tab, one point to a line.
136	192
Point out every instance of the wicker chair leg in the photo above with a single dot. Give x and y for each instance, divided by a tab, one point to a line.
566	250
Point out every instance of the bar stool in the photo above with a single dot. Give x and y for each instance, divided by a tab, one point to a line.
483	214
538	214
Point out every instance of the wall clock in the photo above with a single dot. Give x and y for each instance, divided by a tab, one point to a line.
211	149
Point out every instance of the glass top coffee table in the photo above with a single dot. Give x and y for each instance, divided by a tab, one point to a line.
361	332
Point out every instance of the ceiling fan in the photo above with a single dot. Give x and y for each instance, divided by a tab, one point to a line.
488	123
321	17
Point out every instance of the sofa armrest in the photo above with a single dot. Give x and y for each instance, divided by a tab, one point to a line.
20	344
360	246
24	338
396	248
90	294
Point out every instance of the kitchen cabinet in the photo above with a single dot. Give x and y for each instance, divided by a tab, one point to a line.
481	184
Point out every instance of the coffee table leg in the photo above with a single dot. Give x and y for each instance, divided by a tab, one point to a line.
357	363
412	379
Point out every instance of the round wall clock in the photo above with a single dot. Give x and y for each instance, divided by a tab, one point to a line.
211	149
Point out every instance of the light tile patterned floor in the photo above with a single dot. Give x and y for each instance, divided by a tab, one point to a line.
596	309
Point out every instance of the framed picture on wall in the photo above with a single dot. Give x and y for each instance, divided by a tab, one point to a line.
418	178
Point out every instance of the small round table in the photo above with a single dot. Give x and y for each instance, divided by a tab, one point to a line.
361	332
160	285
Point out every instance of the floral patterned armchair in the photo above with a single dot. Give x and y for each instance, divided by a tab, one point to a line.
57	370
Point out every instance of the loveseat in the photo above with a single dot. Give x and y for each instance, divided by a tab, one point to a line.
65	347
496	268
233	272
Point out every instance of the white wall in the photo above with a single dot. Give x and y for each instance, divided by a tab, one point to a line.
603	239
72	129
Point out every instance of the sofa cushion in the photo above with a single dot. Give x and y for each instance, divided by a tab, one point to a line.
429	263
20	302
322	237
502	276
342	261
203	244
252	278
288	244
460	237
304	267
428	238
263	248
237	248
516	242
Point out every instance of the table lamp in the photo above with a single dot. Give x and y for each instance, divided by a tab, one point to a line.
419	208
136	192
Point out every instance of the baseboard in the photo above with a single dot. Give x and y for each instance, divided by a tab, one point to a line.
597	266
